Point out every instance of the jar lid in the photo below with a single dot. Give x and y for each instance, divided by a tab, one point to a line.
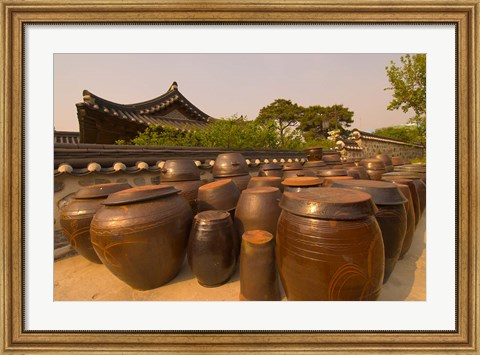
140	193
100	190
417	168
302	181
372	164
382	192
257	237
211	217
332	172
271	179
329	203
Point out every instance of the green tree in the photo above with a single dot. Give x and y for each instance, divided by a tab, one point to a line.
287	117
408	82
404	133
317	121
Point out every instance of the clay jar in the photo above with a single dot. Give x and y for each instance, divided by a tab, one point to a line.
314	153
387	161
76	217
258	208
294	165
331	158
330	175
185	176
413	193
220	195
407	242
374	167
391	216
301	183
417	180
141	234
212	248
329	246
264	181
314	165
234	167
258	273
358	172
270	169
414	168
396	161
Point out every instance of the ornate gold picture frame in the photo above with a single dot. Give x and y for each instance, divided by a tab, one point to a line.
463	14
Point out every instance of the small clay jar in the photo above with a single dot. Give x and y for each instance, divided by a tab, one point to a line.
387	161
297	184
407	242
314	153
264	181
75	218
230	164
179	170
212	248
329	246
332	159
270	169
258	272
141	234
374	167
391	216
220	195
258	208
358	172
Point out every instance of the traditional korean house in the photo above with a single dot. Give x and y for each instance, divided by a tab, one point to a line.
104	122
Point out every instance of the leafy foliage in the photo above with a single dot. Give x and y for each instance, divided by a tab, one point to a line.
317	121
286	116
406	133
408	83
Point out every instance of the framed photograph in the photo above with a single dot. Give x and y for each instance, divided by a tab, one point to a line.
36	35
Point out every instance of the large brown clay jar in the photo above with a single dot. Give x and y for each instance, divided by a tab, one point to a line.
232	166
258	208
407	242
358	172
220	195
418	181
391	216
258	272
76	217
329	246
212	248
141	234
413	193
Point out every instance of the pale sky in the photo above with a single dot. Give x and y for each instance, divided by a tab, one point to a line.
225	84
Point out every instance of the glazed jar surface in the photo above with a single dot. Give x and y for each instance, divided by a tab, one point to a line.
258	272
264	181
391	216
413	194
258	208
220	195
270	169
407	242
314	153
75	218
141	234
188	189
212	248
329	246
230	164
179	170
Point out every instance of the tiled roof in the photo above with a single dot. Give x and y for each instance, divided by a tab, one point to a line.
149	112
347	144
83	159
357	134
66	137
